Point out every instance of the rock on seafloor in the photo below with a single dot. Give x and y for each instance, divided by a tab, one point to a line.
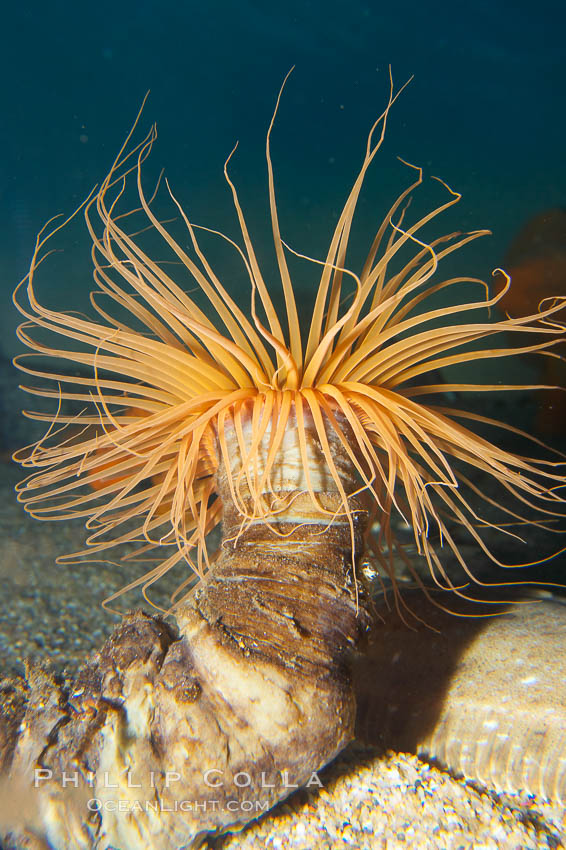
483	696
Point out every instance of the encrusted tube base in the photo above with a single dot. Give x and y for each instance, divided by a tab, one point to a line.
170	734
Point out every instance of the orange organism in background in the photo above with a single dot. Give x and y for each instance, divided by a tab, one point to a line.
536	261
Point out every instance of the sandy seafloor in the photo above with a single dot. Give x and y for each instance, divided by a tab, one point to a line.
369	799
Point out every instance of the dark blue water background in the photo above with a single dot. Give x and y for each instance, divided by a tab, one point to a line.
486	111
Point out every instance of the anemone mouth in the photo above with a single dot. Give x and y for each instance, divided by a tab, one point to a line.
135	442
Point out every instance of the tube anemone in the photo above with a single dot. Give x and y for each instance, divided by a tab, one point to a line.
298	442
157	402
